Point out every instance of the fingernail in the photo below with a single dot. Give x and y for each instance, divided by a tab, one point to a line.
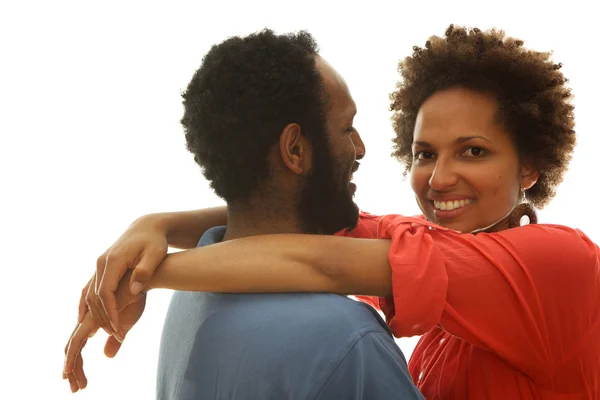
136	287
115	329
118	337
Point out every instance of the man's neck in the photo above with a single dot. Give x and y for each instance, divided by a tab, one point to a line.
248	222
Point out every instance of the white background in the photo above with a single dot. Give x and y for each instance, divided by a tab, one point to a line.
90	139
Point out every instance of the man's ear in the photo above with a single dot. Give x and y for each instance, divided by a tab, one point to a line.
294	149
529	176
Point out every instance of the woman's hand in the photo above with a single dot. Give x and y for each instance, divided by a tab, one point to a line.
142	247
130	308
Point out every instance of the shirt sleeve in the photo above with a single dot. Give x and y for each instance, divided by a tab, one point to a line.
367	227
374	368
530	295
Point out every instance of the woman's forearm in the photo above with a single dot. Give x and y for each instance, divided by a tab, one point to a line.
184	228
281	263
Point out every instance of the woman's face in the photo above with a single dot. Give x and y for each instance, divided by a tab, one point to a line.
466	172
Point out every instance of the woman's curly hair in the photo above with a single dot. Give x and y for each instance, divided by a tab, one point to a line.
535	104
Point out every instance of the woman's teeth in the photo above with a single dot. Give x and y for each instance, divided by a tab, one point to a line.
450	205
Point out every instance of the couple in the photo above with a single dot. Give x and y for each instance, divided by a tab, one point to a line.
484	128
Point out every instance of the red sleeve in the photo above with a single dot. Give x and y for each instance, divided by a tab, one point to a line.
366	228
530	295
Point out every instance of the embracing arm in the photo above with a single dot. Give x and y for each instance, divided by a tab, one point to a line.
528	295
183	229
281	263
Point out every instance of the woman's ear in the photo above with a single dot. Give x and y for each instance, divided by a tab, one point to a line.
529	176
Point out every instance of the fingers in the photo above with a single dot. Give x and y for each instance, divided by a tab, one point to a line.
108	308
77	379
78	373
78	339
65	375
82	300
144	270
73	371
93	302
96	310
112	347
100	266
73	383
141	252
114	270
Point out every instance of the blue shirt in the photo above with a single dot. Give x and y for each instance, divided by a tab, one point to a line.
277	346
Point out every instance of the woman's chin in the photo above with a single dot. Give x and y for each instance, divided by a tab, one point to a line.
455	225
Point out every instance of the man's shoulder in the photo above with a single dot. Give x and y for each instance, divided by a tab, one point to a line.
273	344
309	310
286	311
316	317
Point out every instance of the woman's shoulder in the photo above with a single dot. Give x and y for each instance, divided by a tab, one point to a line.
553	240
548	244
540	240
370	226
547	233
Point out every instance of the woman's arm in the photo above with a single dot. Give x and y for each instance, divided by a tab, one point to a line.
281	263
528	295
183	229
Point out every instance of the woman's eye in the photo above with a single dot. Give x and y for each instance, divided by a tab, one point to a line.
424	155
474	152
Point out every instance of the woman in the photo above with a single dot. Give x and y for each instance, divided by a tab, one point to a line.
484	127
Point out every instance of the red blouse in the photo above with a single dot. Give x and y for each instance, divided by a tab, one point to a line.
506	315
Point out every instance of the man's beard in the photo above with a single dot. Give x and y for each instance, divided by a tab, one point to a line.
326	204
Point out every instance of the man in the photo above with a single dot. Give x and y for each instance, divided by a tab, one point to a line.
270	123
